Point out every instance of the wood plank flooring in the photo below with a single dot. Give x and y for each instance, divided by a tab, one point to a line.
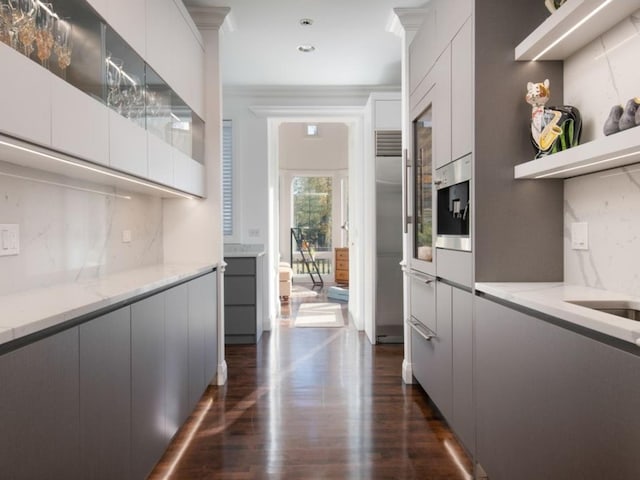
314	403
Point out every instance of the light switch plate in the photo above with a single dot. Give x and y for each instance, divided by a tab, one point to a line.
9	239
579	236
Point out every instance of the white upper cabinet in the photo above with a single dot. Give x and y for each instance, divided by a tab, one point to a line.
175	52
128	18
422	51
451	15
462	111
79	123
160	159
25	98
188	174
127	146
100	6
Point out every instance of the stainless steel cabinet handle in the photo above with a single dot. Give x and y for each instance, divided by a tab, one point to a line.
407	217
427	279
421	330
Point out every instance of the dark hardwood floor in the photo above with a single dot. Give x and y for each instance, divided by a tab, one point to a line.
314	403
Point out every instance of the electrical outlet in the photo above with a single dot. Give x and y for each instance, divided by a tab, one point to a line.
254	232
9	239
580	236
126	236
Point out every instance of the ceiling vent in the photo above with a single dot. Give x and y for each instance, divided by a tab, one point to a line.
388	143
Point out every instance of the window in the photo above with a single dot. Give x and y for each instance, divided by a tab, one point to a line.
227	179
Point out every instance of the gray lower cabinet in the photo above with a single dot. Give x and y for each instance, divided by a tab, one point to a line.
39	404
105	396
243	300
148	407
463	419
431	353
178	404
553	403
203	337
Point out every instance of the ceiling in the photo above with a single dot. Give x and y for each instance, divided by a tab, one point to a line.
258	43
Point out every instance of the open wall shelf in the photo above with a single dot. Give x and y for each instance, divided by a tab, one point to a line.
617	150
548	37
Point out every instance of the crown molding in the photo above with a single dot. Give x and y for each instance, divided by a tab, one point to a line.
208	18
307	91
407	20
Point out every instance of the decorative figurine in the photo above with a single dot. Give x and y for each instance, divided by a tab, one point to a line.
638	117
553	129
553	5
612	124
628	118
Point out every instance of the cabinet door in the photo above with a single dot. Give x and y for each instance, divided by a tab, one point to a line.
129	19
39	403
197	319
462	92
188	174
431	355
422	54
25	97
422	296
160	161
127	146
177	357
463	420
148	437
105	396
442	128
203	304
552	403
79	124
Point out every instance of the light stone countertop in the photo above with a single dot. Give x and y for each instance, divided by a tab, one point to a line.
31	311
551	299
243	250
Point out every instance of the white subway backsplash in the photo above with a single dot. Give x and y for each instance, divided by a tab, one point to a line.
69	234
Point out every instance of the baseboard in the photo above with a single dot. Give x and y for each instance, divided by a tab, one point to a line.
222	373
407	372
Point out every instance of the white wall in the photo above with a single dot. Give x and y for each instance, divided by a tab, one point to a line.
326	151
322	155
603	74
251	110
67	234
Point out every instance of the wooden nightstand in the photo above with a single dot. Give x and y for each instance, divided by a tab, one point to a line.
341	271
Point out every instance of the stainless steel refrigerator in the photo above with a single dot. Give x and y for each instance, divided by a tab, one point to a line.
389	322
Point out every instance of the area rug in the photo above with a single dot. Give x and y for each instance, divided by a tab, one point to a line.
319	315
300	291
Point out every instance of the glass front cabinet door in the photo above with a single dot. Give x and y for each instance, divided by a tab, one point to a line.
423	245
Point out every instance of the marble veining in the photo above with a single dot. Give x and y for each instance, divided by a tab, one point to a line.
73	233
604	73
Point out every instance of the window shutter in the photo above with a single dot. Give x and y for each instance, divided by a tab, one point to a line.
227	178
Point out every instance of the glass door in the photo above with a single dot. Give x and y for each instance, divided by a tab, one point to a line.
423	244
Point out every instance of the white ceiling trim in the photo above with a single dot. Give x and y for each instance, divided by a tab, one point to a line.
311	113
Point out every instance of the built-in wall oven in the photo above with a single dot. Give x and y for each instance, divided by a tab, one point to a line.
454	205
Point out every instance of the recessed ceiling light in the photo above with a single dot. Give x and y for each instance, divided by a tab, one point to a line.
306	22
306	48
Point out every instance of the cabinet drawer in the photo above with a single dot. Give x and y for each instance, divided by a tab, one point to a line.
423	299
342	265
240	290
341	275
240	266
240	320
342	254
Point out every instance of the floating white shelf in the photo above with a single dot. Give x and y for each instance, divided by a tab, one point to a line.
617	150
564	19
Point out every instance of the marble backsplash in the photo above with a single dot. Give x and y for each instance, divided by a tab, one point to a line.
68	232
604	73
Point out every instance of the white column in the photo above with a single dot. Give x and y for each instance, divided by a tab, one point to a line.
209	20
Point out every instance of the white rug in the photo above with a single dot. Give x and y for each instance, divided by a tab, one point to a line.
319	315
300	291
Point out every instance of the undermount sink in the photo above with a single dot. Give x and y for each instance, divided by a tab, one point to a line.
621	308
